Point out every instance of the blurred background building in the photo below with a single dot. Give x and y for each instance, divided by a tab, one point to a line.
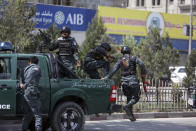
167	6
90	4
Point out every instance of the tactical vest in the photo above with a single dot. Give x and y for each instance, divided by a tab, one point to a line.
65	47
128	66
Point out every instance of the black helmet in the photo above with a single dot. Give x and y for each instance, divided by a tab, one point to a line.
66	29
100	51
125	50
106	46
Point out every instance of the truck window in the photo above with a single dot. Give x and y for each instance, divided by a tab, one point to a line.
5	68
21	64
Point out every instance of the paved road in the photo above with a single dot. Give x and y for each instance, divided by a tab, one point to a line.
162	124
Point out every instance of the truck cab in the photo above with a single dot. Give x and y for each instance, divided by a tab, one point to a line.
65	101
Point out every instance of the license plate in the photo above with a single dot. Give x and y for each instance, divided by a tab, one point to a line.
190	101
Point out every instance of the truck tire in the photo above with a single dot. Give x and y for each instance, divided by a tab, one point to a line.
68	116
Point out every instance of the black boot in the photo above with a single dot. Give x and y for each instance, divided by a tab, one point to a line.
129	112
132	118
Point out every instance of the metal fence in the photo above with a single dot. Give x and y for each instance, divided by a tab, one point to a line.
166	97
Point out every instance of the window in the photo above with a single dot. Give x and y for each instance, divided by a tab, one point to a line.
5	68
194	2
156	2
182	1
41	1
140	3
21	64
137	2
153	2
171	1
57	2
181	70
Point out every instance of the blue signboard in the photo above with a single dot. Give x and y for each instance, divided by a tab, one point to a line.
75	18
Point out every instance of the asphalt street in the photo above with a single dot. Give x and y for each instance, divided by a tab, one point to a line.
161	124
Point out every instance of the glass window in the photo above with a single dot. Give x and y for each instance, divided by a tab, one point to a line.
142	3
158	2
5	68
41	1
181	70
194	2
153	2
171	1
137	2
57	2
21	64
182	1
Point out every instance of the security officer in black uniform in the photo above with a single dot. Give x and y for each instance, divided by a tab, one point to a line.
32	74
129	80
95	59
68	50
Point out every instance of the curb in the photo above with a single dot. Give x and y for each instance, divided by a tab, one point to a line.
117	116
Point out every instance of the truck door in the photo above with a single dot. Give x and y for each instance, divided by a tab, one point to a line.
8	85
44	83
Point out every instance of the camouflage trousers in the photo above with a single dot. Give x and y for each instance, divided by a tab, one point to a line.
92	67
32	109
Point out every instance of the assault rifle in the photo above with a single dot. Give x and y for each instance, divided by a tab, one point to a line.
46	40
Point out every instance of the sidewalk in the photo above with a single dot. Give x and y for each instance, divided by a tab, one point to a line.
147	115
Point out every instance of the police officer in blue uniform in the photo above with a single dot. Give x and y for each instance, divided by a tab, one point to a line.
129	80
32	74
95	60
68	50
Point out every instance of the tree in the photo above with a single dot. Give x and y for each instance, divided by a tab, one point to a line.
190	79
95	34
157	53
15	23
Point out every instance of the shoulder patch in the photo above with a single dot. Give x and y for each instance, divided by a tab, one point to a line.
37	69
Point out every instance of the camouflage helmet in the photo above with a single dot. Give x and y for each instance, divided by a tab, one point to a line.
106	46
66	29
125	50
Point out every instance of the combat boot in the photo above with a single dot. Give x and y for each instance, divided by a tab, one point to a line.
132	118
129	112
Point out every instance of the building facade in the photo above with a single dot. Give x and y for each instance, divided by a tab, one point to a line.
90	4
166	6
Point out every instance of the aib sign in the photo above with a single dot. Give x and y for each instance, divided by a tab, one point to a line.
155	20
59	17
76	18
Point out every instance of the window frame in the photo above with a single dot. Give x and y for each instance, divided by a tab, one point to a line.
156	2
140	3
10	68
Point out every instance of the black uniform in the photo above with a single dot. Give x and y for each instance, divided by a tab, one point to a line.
68	52
32	74
129	80
94	60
